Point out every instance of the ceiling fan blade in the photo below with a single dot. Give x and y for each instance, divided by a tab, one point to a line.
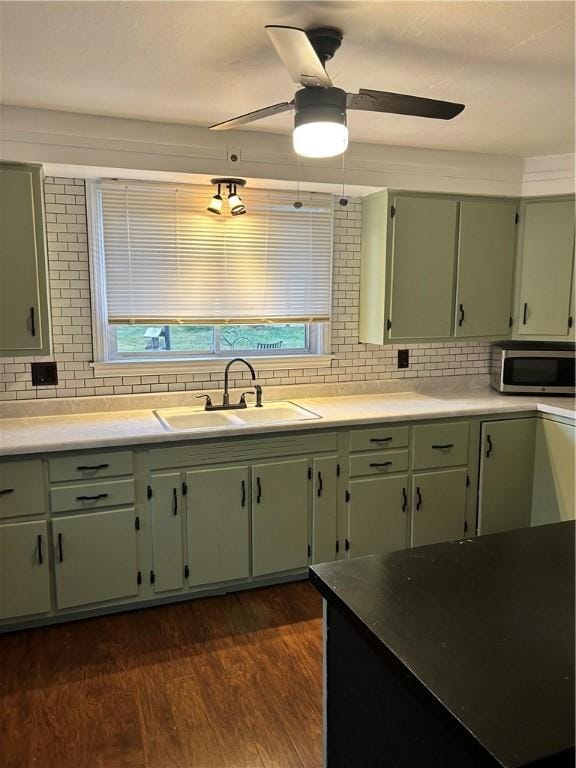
298	55
402	104
250	117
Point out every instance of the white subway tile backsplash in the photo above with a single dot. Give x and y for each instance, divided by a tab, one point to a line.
66	226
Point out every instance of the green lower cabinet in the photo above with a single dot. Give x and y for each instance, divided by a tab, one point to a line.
24	570
324	504
506	475
280	492
95	557
378	515
218	525
167	522
438	506
554	472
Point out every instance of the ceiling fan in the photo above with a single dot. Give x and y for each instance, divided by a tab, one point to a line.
320	108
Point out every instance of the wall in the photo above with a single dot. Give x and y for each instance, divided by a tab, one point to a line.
71	320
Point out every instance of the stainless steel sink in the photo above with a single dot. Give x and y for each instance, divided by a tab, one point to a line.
189	419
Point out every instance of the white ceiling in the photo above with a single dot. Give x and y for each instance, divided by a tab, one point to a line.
511	63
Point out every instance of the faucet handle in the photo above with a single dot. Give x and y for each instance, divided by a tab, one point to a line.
208	405
242	402
258	389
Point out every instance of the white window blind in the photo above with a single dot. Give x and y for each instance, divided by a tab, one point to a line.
167	260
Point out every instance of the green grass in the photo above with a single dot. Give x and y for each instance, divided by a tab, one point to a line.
200	338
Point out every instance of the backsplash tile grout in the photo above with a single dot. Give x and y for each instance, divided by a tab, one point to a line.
69	281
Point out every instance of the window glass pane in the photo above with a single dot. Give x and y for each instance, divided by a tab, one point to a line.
165	338
269	338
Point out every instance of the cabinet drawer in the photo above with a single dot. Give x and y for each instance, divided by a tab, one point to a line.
374	439
381	463
440	445
89	466
91	496
21	488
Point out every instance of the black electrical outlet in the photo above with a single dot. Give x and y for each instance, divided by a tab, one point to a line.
403	358
44	374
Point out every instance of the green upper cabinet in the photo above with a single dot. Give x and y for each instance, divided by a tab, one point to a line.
24	312
545	269
485	275
422	267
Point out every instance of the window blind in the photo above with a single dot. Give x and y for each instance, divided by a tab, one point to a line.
167	260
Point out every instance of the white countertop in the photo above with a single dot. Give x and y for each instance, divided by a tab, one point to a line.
76	431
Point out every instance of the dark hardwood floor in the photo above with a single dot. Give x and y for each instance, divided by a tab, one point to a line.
222	682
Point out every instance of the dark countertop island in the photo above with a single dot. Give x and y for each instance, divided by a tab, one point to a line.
456	655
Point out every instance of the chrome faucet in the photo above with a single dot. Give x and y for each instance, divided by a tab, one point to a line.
226	396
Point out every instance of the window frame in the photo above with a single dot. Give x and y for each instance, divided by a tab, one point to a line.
108	362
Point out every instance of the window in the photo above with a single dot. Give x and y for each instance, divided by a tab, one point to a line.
171	281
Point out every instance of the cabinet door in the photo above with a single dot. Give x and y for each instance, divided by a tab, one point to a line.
96	557
378	515
167	521
486	247
218	522
23	292
24	570
546	268
422	277
324	532
438	506
554	472
506	475
279	516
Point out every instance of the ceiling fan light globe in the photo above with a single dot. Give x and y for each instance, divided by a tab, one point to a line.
320	139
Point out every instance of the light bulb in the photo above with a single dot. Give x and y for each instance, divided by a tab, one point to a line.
320	139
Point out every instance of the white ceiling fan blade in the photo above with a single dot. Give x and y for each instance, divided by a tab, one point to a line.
250	117
298	56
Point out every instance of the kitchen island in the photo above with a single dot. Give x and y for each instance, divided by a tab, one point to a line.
454	655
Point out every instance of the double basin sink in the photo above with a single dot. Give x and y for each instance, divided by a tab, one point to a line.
188	419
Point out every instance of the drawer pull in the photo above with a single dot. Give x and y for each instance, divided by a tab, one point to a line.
6	491
60	549
404	500
92	498
380	439
418	498
40	557
442	447
380	464
94	467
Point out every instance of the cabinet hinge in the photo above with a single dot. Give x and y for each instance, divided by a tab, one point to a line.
186	571
346	545
570	321
137	523
392	211
347	497
309	473
337	546
139	578
388	324
309	550
152	577
510	322
517	218
467	481
184	489
337	470
149	491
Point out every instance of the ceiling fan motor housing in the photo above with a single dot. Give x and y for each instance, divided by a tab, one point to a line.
320	105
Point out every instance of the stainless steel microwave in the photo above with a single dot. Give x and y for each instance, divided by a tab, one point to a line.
524	367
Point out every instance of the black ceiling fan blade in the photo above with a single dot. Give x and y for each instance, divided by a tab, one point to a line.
403	104
298	55
250	117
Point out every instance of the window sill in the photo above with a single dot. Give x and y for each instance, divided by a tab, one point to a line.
207	364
